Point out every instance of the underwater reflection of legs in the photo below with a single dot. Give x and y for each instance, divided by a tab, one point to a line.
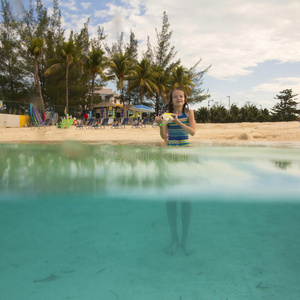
185	221
186	209
172	218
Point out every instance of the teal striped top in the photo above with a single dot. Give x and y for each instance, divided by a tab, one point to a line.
177	136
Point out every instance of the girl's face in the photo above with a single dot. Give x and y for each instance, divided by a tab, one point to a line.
178	98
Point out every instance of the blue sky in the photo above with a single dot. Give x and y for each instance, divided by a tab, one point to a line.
252	45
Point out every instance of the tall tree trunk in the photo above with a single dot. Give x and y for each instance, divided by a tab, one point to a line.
67	89
93	86
37	80
41	97
156	104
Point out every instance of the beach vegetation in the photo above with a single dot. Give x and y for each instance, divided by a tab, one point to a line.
67	56
286	107
219	114
120	69
14	80
95	63
142	79
67	70
35	48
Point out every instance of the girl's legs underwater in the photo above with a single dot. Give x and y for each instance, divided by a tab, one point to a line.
185	222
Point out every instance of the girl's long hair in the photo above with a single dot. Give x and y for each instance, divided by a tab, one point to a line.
170	106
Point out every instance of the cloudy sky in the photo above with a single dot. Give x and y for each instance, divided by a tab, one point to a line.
253	46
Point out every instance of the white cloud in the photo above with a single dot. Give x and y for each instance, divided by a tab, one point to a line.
70	5
74	22
86	5
279	84
232	35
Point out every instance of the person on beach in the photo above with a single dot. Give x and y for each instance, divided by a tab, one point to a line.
176	133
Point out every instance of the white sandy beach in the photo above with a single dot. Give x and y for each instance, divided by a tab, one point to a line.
280	133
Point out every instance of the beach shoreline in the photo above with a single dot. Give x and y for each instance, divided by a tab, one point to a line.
271	134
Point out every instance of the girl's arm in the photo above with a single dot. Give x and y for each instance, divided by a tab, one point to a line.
189	129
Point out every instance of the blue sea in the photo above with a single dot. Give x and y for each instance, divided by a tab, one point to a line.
89	222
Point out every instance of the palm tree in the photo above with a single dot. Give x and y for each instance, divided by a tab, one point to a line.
142	79
162	81
35	49
69	55
120	68
95	63
181	77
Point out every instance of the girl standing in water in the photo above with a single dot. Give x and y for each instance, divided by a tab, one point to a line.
177	133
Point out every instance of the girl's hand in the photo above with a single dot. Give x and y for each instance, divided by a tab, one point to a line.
175	118
159	120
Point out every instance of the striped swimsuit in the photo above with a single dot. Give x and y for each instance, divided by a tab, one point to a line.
177	136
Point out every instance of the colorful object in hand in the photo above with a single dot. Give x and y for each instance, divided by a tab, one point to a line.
167	117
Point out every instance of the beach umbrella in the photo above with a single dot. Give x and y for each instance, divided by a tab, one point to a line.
142	108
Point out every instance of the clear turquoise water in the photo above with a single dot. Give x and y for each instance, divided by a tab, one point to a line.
89	222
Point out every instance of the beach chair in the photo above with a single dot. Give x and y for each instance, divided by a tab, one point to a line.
90	123
116	125
42	124
124	122
144	123
46	123
79	124
96	125
104	122
136	124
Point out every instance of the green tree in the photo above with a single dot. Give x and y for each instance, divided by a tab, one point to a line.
218	114
120	69
69	54
197	93
13	74
249	113
286	108
164	53
149	55
35	49
181	77
162	82
234	113
132	47
95	63
202	115
142	78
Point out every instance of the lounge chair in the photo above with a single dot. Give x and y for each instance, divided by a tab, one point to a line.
120	125
116	125
79	124
145	122
46	123
96	125
90	123
42	124
124	122
136	124
104	122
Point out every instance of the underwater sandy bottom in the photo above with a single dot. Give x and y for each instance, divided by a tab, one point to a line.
83	248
